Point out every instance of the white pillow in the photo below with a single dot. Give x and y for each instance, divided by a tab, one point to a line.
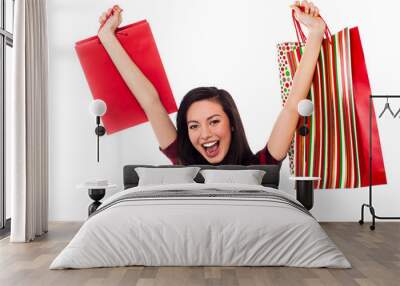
162	176
248	177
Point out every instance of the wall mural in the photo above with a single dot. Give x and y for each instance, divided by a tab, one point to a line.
123	68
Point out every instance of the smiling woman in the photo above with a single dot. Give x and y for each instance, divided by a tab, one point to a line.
210	131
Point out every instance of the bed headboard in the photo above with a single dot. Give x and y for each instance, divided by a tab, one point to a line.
270	179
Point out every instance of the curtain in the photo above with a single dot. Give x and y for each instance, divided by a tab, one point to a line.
27	118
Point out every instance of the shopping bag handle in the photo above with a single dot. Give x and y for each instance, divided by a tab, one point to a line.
301	37
112	13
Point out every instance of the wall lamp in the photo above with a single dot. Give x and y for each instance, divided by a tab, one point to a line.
98	108
305	108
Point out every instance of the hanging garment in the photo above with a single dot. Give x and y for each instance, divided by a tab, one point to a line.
337	147
106	83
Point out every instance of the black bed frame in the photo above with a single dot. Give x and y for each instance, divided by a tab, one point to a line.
270	179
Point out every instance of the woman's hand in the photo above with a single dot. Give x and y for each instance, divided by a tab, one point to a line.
310	17
109	21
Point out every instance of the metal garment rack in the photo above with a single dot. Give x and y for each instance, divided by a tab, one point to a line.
369	205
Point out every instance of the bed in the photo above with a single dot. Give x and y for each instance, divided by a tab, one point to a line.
201	224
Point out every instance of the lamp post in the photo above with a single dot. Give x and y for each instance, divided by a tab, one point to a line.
98	108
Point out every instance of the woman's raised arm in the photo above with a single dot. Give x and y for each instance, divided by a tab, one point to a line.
139	85
285	126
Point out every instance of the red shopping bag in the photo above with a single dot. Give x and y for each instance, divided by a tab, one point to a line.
337	147
105	82
362	92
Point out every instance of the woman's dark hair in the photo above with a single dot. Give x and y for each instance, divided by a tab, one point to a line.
239	152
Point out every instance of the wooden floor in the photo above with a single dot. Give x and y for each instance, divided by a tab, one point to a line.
374	255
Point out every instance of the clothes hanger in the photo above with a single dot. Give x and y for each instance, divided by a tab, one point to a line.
397	113
387	107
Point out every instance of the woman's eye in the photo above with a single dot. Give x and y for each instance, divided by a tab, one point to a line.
214	122
192	126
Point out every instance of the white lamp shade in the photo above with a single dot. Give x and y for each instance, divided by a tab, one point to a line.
98	107
305	107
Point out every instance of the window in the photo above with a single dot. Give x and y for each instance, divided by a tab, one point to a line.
6	44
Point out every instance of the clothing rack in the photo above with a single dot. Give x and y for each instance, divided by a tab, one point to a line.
369	205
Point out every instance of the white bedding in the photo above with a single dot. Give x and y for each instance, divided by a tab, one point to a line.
180	231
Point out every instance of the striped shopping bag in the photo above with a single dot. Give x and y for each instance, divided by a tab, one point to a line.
337	146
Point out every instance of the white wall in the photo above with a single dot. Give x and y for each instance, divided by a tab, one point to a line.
226	43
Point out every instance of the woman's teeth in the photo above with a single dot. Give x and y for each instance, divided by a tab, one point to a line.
206	145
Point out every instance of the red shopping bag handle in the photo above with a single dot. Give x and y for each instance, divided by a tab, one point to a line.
112	13
301	37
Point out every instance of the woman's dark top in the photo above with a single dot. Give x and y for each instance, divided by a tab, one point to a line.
262	157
